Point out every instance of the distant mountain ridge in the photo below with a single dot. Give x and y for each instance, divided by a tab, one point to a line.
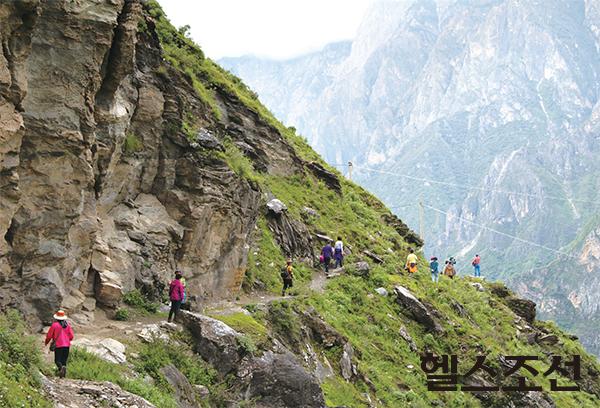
494	95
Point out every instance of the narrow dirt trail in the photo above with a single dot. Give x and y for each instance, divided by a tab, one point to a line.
104	327
317	284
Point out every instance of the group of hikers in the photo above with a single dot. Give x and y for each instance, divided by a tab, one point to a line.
335	252
60	334
330	252
449	267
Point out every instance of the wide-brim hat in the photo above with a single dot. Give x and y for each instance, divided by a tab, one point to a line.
60	315
434	258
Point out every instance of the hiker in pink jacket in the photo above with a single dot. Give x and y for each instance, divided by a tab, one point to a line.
176	293
60	335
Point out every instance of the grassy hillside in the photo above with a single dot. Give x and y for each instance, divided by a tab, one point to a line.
387	366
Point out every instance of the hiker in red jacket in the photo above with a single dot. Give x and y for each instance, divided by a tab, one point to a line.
60	335
476	262
176	293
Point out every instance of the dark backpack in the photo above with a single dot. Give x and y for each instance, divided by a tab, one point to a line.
284	273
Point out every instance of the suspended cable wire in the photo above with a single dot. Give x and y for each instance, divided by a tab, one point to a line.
446	183
499	232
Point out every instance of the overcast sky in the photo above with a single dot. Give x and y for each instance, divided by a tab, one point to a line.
268	28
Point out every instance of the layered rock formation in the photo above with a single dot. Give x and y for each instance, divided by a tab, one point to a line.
104	185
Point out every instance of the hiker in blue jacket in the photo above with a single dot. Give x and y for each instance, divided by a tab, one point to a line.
434	268
327	254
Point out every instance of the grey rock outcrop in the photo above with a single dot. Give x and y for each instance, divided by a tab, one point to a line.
107	349
522	307
184	392
273	378
65	393
216	342
277	380
416	309
291	235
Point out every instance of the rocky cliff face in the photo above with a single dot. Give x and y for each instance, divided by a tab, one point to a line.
497	96
110	173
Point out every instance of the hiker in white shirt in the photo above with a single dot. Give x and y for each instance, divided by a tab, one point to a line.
338	252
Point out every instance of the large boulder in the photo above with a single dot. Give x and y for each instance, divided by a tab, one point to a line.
107	349
279	380
274	379
184	392
416	309
521	307
321	331
216	342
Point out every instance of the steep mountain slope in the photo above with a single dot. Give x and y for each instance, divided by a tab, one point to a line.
486	97
126	153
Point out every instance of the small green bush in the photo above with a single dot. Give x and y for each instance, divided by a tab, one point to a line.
132	144
137	300
247	344
122	314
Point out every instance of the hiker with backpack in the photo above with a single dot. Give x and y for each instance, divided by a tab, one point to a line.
411	261
184	284
326	255
433	267
59	336
449	270
176	294
476	266
339	253
287	275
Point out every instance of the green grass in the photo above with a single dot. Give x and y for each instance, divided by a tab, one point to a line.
246	324
87	366
132	144
238	162
20	364
371	324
